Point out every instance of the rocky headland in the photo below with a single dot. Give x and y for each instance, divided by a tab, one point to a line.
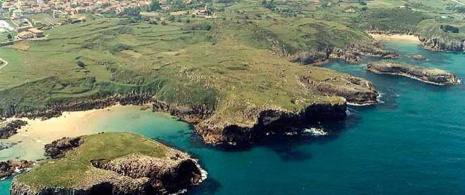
352	53
438	42
428	75
110	163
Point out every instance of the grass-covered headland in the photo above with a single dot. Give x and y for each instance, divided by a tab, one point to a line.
239	70
109	163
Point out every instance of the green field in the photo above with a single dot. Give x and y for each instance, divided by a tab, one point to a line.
234	64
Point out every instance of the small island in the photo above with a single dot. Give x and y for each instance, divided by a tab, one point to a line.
109	163
428	75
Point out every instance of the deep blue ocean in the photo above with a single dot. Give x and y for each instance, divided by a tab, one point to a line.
409	144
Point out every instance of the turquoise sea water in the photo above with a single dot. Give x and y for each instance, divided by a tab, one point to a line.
412	143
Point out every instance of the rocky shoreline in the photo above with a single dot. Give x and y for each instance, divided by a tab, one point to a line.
427	75
12	167
134	173
9	128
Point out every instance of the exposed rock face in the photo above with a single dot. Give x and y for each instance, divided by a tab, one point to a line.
443	43
163	176
192	114
428	75
270	121
57	148
355	90
273	120
352	53
10	128
10	167
130	174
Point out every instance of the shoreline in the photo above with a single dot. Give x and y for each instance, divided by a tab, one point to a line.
395	38
30	140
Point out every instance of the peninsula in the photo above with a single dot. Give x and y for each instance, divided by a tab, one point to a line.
427	75
109	163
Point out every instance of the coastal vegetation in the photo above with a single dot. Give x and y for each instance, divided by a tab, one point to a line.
222	71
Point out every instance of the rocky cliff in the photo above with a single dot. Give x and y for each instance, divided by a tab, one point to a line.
428	75
443	43
272	121
142	167
352	53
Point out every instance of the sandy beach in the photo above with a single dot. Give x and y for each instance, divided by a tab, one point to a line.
31	138
396	37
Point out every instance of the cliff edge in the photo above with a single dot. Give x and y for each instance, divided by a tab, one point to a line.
109	163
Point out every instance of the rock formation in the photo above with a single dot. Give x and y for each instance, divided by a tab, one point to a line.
428	75
418	57
10	168
8	129
148	168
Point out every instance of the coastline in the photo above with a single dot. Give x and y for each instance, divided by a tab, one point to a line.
396	38
30	140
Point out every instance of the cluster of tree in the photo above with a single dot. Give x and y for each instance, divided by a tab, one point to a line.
362	2
449	28
131	12
269	4
459	9
154	6
177	5
456	8
393	20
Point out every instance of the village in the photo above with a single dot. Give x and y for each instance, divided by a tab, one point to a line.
29	18
70	11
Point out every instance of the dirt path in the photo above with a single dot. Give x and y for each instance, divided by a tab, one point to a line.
456	1
4	63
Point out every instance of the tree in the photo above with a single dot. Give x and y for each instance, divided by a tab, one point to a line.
9	37
177	5
154	6
81	64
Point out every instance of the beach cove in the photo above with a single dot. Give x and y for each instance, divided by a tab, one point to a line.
408	144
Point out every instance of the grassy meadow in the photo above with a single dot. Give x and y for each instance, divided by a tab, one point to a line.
233	63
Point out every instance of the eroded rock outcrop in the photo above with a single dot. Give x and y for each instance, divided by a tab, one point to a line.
355	90
148	168
57	148
9	128
443	43
352	53
428	75
271	121
10	168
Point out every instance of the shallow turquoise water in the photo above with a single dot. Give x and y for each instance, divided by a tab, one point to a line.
410	144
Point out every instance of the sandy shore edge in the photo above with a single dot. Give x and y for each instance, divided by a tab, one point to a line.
396	38
30	139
